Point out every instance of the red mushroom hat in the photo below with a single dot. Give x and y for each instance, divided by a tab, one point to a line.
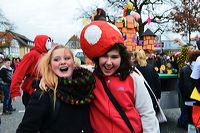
98	37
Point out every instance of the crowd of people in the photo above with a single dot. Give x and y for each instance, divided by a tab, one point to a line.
6	71
60	96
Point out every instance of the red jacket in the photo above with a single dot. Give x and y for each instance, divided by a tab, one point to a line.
26	72
104	116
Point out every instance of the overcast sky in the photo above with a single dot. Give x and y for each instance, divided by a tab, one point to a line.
55	18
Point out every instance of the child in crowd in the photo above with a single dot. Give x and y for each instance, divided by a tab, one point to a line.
15	63
64	108
170	69
6	76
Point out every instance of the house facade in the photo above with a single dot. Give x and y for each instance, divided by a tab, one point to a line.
13	44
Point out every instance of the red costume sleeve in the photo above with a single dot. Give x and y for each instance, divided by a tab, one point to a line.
25	68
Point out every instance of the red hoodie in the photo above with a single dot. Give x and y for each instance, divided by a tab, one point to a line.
26	72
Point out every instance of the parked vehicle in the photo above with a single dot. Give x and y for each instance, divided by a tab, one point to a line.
79	54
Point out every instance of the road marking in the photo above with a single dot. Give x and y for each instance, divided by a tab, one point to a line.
21	111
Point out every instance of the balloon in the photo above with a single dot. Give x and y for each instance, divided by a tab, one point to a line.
85	21
129	5
125	10
134	39
140	42
148	20
135	15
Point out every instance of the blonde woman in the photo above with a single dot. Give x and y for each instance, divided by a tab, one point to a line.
68	96
149	74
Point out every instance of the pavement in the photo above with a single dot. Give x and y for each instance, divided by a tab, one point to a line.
171	125
10	123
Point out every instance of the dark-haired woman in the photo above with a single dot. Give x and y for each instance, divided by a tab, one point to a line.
102	42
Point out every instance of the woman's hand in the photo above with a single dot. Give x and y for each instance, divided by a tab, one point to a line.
14	99
42	85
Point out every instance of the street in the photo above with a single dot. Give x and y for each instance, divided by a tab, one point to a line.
10	122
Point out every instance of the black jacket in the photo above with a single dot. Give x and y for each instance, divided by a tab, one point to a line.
6	75
38	116
185	84
152	78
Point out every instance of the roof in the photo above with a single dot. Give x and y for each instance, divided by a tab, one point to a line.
19	35
74	38
73	42
9	35
148	32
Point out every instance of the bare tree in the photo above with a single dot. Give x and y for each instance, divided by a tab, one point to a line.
186	17
5	24
158	10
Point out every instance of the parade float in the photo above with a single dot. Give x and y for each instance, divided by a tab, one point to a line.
129	27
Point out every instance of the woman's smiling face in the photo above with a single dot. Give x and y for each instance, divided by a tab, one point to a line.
110	62
62	63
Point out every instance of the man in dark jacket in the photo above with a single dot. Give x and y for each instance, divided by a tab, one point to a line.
185	87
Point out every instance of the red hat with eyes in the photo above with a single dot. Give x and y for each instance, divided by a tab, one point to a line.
98	37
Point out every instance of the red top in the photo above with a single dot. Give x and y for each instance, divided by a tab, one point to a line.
104	116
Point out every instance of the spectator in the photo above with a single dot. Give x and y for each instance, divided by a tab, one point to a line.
150	75
1	89
6	76
183	56
133	59
195	75
186	87
170	69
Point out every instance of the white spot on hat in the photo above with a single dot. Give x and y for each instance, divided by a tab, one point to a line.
92	34
115	27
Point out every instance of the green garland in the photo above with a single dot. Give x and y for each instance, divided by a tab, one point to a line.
182	59
78	90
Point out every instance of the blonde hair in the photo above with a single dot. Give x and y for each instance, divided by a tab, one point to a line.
77	62
142	57
44	69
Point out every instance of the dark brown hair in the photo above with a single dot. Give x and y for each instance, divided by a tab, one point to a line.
6	59
100	14
193	55
125	65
